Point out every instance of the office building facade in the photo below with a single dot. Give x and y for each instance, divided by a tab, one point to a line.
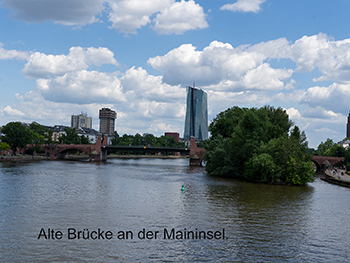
348	127
175	135
81	120
107	121
196	121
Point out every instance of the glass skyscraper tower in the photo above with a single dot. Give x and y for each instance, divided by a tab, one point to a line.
196	122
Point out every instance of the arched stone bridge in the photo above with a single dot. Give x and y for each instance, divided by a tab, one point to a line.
319	160
99	151
94	151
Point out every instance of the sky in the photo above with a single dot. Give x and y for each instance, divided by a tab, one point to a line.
59	58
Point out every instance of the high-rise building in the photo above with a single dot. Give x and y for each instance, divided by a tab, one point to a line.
81	120
348	127
196	122
107	119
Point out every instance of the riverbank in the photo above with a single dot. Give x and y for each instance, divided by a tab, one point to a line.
26	158
111	156
338	177
23	158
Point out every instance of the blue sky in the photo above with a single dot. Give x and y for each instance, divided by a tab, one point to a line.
59	58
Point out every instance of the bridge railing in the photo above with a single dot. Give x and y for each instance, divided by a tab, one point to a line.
146	148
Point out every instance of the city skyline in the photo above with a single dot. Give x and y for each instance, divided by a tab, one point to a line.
138	56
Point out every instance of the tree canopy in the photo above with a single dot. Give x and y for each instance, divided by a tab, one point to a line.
258	144
72	137
16	135
4	146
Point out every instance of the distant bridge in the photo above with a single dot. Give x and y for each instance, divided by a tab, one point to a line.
100	150
152	149
320	160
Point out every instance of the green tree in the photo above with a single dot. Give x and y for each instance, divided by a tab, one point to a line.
137	140
261	147
125	140
324	146
150	139
335	151
225	122
42	131
71	136
37	128
84	140
48	136
4	146
347	158
218	157
36	140
16	135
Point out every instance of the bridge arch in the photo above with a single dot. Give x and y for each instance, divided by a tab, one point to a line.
320	160
318	166
61	153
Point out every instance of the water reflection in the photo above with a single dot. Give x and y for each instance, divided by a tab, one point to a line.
263	222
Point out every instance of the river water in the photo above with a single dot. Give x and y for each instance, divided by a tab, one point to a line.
137	203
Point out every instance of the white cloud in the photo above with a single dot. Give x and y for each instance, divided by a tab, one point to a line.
13	54
8	111
129	15
330	57
72	12
126	16
172	17
138	84
266	78
219	101
305	51
155	110
244	6
51	113
273	49
319	124
320	113
180	17
335	97
291	84
293	114
161	127
45	66
83	87
220	66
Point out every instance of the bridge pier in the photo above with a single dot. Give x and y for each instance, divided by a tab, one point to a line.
103	155
196	154
98	151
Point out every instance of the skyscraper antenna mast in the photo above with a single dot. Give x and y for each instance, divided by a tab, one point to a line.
193	84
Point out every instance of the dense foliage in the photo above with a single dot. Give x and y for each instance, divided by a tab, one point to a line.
72	137
4	146
16	135
147	140
258	144
329	148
